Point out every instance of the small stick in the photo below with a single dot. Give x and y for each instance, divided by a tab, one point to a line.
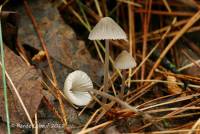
132	44
145	32
154	48
90	120
58	96
36	124
194	126
158	12
181	131
190	58
52	108
168	115
193	19
172	34
85	131
132	3
29	13
126	105
162	81
163	29
189	65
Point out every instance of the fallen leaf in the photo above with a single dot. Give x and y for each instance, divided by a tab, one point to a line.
27	81
60	39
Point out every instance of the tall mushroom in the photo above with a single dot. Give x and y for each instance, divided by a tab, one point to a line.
124	61
107	29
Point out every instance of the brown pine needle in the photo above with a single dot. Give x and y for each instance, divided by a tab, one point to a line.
90	120
36	124
193	19
43	43
194	126
85	131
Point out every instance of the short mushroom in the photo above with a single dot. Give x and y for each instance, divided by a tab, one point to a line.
107	29
124	61
76	87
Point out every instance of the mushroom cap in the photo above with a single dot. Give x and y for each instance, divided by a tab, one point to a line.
107	28
125	61
76	86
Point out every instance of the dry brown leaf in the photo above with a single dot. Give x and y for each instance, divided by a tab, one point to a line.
27	81
60	38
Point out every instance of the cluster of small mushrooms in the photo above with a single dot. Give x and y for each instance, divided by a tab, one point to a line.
78	86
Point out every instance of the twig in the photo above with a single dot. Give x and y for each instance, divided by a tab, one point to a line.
132	44
154	48
145	32
29	13
95	127
58	96
194	126
194	19
190	58
36	124
162	81
90	120
52	108
130	3
126	105
158	12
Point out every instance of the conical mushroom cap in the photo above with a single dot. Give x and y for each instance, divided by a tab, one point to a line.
107	28
76	86
125	61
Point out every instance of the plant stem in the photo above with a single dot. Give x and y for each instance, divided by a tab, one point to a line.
106	66
123	84
4	80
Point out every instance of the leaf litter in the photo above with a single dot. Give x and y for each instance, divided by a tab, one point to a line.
170	96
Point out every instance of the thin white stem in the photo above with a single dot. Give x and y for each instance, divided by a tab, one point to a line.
123	84
106	66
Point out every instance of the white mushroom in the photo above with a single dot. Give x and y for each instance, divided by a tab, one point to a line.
124	61
107	29
76	86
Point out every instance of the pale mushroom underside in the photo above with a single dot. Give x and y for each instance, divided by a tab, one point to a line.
76	86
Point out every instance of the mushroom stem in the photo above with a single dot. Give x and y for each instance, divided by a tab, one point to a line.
123	84
106	66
